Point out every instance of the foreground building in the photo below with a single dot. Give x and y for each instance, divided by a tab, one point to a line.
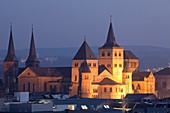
112	75
109	76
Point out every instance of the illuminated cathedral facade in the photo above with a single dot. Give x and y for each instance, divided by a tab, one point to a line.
112	75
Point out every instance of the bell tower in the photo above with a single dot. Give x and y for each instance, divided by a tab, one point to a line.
111	56
10	67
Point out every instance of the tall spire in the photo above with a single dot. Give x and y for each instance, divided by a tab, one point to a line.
32	60
111	41
11	52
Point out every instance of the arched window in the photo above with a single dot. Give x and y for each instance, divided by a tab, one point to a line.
105	89
103	54
28	86
115	54
75	78
110	89
138	87
23	87
133	87
108	54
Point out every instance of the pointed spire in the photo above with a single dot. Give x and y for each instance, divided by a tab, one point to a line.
32	58
111	41
84	52
11	52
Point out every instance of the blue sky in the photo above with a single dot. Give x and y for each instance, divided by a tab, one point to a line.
63	23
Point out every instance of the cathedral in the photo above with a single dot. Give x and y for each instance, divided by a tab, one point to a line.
113	74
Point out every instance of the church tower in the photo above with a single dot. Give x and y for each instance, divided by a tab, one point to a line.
32	60
84	71
111	56
10	67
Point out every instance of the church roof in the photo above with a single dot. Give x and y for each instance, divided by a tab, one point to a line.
164	71
129	55
139	76
85	68
111	41
11	52
84	53
108	81
102	68
32	53
46	71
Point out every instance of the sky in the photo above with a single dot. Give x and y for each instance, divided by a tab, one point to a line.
65	23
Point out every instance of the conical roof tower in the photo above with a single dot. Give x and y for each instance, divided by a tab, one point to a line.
111	41
32	60
11	51
84	53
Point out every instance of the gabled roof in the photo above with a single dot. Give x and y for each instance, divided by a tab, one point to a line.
108	81
85	68
164	71
111	41
84	53
32	53
129	55
139	76
102	68
11	52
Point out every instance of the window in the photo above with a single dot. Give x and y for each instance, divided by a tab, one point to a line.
28	73
119	54
133	87
94	64
105	90
55	89
116	89
51	88
127	76
115	65
111	89
108	54
89	64
115	54
23	87
28	86
95	91
103	54
120	65
76	64
121	90
138	87
75	78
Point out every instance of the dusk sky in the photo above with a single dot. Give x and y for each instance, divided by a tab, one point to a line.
63	23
